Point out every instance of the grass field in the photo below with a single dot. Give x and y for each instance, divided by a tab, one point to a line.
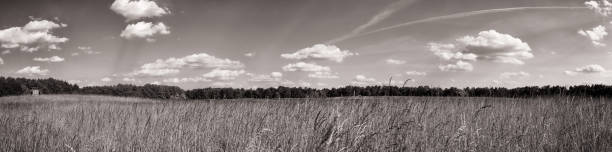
100	123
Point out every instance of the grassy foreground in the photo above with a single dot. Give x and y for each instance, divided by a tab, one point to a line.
99	123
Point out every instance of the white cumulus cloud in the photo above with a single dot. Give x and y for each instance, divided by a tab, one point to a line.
588	69
450	52
137	9
42	26
320	51
306	67
596	35
33	70
33	36
173	65
50	59
457	67
488	45
498	47
222	74
145	30
602	7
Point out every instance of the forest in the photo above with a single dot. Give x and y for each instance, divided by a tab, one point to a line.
20	86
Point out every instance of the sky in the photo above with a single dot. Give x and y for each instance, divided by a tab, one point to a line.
308	43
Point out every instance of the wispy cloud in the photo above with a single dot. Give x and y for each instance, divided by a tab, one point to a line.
380	16
453	16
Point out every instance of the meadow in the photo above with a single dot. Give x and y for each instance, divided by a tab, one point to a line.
104	123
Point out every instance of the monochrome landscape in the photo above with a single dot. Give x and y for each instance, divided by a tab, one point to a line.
305	75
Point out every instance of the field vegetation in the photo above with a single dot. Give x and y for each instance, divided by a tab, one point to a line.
104	123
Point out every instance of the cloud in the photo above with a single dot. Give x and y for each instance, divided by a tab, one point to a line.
455	16
33	70
5	52
380	16
394	61
174	65
250	54
137	9
276	74
602	7
450	52
144	30
221	74
498	47
50	59
42	26
361	80
488	45
316	71
320	51
272	77
1	61
33	36
323	75
106	79
514	75
588	69
416	73
596	35
306	67
186	80
85	49
300	83
460	66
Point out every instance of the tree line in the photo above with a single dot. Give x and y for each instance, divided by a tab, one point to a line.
19	86
299	92
128	90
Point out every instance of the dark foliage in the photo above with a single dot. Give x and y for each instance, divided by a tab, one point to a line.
18	86
286	92
146	91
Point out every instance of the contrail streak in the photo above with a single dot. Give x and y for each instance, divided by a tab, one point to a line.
380	16
452	16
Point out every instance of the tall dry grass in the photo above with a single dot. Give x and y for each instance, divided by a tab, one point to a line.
99	123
